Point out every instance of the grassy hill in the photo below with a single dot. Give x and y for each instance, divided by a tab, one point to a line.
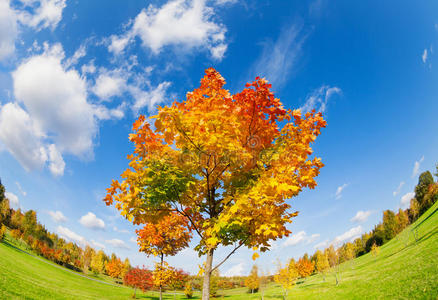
406	268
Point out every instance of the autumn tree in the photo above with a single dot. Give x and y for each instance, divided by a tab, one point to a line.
375	250
87	256
97	263
5	211
2	232
322	263
126	267
402	220
188	290
286	277
253	281
422	188
114	267
227	163
305	267
166	237
138	278
414	210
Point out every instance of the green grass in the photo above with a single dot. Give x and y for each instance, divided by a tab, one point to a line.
404	269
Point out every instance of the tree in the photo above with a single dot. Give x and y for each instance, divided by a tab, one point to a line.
375	250
305	267
188	291
424	181
2	191
138	278
223	162
177	280
402	220
5	211
17	219
2	232
332	256
286	277
389	225
253	281
114	267
414	210
126	267
167	237
87	257
322	263
97	264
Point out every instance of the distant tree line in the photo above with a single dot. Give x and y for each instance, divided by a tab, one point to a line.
426	194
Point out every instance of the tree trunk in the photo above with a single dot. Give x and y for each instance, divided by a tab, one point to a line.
207	275
135	292
161	288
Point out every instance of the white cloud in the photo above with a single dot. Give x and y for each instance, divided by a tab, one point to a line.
108	86
236	270
133	240
91	221
322	244
347	236
71	236
300	237
222	2
14	202
406	200
116	243
120	230
398	189
186	24
57	216
81	52
278	59
148	98
41	14
424	56
55	117
319	98
416	168
22	137
95	244
23	192
339	190
8	30
361	216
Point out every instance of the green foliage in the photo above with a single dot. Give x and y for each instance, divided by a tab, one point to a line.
424	181
2	191
389	225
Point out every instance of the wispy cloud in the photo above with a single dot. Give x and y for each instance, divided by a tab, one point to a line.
116	243
416	168
424	56
278	58
23	192
398	189
300	237
361	216
319	98
339	190
236	270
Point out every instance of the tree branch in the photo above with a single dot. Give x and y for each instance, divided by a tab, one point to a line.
228	256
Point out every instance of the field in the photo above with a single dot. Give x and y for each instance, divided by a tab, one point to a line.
405	268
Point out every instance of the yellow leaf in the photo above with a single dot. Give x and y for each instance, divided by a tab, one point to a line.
255	256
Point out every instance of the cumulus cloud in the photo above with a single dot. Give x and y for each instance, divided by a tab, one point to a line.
339	190
14	202
41	14
416	168
116	243
71	236
236	270
52	115
57	216
319	98
187	24
8	30
361	216
95	244
398	189
108	86
300	237
91	221
347	236
406	200
279	58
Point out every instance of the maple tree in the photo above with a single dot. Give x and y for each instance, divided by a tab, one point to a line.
138	278
223	163
286	277
305	267
167	237
114	267
253	280
322	263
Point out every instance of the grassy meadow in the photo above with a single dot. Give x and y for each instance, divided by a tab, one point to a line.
405	268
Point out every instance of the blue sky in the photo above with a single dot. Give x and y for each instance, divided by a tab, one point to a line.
74	75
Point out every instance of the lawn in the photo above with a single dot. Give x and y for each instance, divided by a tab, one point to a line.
406	268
